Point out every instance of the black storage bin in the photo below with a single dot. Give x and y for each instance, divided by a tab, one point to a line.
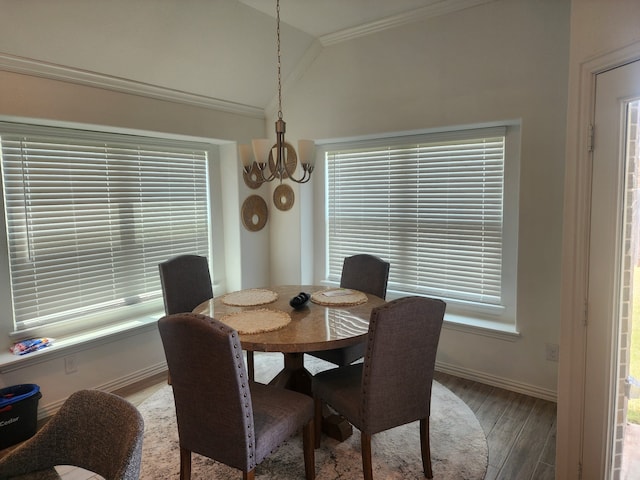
18	413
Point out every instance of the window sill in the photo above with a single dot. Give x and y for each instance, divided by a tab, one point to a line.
479	326
464	323
80	341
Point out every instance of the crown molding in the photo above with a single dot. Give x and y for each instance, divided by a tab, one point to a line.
439	8
63	73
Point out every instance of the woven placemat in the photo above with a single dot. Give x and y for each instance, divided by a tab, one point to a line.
250	297
339	297
256	321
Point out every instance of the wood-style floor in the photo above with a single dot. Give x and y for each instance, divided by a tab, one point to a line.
520	430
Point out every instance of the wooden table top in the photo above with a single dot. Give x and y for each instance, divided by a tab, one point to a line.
312	328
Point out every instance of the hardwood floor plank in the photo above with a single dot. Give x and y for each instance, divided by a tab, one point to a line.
523	459
492	473
457	385
478	395
544	472
507	429
493	408
548	456
472	393
505	417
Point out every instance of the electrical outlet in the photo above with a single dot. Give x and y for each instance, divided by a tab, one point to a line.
70	364
553	351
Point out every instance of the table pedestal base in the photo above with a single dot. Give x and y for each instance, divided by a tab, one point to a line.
294	376
297	378
336	427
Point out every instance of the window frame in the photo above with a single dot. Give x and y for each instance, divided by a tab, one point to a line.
125	315
503	319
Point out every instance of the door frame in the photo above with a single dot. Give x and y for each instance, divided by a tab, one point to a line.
575	263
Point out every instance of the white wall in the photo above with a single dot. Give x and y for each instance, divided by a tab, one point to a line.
121	359
500	61
599	29
221	49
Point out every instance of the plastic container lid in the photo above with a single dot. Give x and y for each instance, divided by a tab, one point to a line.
16	393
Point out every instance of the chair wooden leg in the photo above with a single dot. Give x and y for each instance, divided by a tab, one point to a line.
367	470
185	464
250	366
318	421
250	475
308	445
425	448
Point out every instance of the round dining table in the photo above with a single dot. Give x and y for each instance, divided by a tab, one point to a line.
313	327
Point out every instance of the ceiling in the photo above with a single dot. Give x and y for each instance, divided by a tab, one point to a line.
323	17
220	51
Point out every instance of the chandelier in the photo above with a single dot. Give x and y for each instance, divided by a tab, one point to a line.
263	161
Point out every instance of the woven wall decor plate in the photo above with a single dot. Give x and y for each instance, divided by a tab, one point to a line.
262	320
249	297
254	213
339	297
251	178
283	197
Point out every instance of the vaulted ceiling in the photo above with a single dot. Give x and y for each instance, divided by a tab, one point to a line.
218	49
320	18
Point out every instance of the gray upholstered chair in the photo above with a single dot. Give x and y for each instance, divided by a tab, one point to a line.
186	283
393	385
368	274
220	414
94	430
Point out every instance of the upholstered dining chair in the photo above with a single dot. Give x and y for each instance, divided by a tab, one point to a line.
368	274
220	413
393	385
94	430
186	283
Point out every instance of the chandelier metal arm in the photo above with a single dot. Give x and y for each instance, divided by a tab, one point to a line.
284	164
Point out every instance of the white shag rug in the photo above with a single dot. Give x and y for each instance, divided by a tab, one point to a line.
458	444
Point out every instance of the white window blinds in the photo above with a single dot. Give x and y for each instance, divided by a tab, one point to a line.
89	217
433	208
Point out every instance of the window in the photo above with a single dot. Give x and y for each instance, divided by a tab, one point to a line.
90	215
432	205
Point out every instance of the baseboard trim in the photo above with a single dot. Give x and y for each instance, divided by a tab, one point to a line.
45	411
50	409
136	377
496	381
